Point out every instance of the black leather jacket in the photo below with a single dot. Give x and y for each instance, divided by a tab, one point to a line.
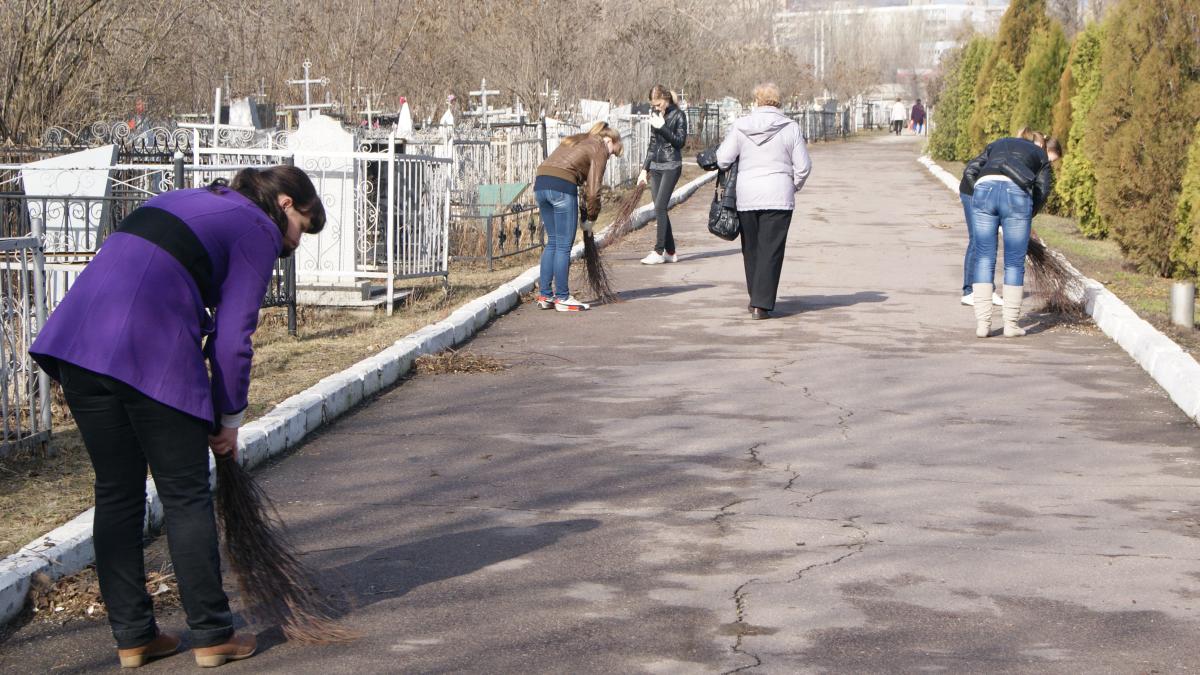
1021	161
667	140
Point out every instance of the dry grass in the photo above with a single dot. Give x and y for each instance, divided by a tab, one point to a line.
455	362
39	493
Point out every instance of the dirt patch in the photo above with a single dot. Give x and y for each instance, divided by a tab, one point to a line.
40	492
78	596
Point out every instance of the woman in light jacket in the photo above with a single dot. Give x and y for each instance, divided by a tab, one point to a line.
153	379
773	164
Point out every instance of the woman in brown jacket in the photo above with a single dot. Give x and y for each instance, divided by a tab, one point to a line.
578	161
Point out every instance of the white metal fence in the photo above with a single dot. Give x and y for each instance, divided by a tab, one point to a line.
24	388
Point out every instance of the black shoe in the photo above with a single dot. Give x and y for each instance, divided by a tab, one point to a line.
759	313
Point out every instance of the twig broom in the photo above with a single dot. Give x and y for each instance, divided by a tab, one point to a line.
276	586
1054	280
598	277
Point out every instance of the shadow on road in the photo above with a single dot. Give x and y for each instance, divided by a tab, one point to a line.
812	303
661	291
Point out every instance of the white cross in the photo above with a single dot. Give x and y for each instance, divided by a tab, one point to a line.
368	112
228	91
483	94
308	104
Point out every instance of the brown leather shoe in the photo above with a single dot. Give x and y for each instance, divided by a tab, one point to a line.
238	647
136	657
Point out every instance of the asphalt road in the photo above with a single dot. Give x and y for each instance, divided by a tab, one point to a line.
664	486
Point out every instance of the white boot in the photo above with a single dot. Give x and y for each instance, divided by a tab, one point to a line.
1012	310
983	309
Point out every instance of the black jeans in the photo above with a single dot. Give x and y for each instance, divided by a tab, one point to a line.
764	235
124	430
662	184
897	125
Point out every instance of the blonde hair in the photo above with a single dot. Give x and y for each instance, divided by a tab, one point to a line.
767	93
1035	137
600	130
660	92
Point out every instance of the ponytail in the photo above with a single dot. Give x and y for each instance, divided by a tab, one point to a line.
263	187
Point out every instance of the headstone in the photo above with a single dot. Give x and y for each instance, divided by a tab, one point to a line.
70	224
595	111
327	259
243	112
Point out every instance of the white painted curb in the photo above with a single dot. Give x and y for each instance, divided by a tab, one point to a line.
68	549
1173	369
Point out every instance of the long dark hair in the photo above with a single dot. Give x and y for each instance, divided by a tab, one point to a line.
263	187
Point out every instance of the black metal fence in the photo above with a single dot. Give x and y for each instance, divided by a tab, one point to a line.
491	236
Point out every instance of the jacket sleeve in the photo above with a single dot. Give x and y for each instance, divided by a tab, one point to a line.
675	134
801	162
971	172
728	151
595	179
650	150
1042	186
229	349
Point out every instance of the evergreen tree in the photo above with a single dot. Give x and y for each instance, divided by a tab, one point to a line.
1037	85
975	54
1185	252
945	112
1140	128
1075	186
997	107
1060	116
1020	22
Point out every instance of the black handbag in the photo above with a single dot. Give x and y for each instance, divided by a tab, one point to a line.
722	216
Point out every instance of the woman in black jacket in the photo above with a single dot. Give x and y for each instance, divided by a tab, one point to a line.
1011	181
663	165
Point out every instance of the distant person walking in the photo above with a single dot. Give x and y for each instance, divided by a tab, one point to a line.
899	116
773	165
578	161
918	117
1010	182
663	166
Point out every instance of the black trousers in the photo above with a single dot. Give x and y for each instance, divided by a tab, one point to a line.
124	430
662	184
764	236
897	125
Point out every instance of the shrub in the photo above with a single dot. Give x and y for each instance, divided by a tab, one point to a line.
975	54
1021	20
1185	251
998	105
1037	84
1140	127
1075	186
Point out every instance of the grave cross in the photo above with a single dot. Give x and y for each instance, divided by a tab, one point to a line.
307	81
369	112
483	93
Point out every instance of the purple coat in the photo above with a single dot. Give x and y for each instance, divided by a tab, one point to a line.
772	159
137	311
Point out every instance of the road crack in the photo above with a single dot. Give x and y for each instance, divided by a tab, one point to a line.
855	547
740	609
844	413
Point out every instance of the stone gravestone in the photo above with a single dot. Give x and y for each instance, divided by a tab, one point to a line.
326	262
244	113
75	185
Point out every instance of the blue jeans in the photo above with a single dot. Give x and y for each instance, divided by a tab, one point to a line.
969	258
1001	204
559	213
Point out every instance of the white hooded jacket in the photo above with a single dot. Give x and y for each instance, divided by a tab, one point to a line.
773	160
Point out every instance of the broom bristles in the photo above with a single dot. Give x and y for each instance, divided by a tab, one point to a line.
1055	281
597	271
622	224
276	586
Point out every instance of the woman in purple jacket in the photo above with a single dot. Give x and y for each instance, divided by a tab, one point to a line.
125	343
773	165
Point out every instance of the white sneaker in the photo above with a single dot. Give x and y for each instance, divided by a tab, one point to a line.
997	300
655	258
968	300
670	257
571	305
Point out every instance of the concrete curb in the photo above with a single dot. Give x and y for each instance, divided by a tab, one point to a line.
68	548
1172	368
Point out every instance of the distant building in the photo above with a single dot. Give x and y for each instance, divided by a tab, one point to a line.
900	40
